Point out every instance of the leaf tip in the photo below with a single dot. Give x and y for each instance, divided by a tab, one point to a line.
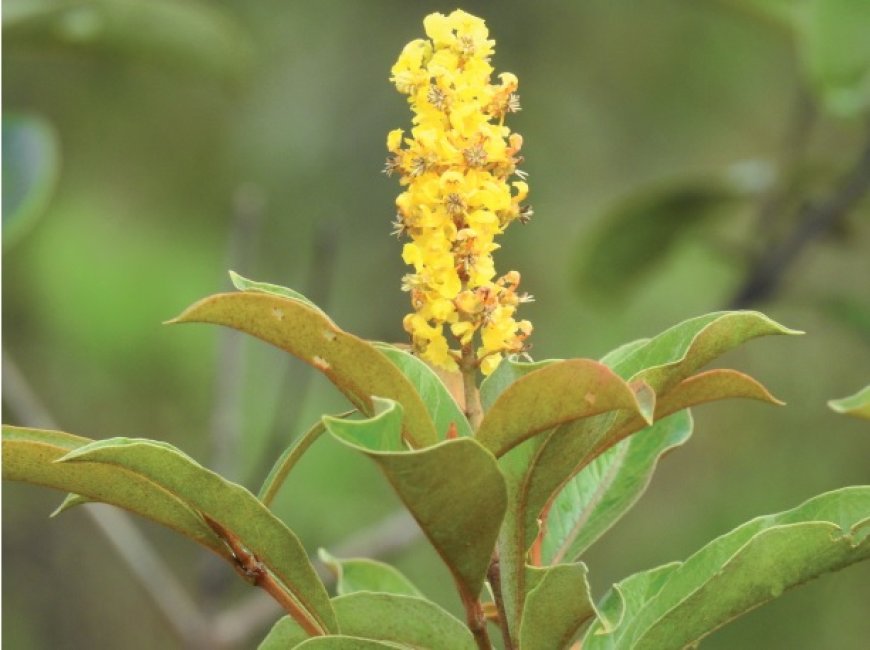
237	280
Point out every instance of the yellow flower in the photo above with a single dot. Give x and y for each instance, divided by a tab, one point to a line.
456	168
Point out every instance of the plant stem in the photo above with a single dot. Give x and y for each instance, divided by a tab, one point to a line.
493	574
476	621
278	474
812	221
468	366
250	568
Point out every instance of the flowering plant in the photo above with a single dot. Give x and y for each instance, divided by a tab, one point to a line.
510	479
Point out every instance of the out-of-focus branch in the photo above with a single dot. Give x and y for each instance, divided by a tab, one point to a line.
814	220
321	271
226	415
229	378
156	578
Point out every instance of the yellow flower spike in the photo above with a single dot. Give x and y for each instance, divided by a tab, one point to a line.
394	140
457	168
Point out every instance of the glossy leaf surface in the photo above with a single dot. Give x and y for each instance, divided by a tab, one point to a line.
677	605
356	367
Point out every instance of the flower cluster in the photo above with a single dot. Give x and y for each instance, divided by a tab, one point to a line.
456	167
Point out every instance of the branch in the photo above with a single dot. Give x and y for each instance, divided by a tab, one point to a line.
383	539
813	220
156	578
252	570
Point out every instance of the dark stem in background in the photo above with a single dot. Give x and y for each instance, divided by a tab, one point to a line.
226	417
813	220
248	207
296	380
774	202
156	578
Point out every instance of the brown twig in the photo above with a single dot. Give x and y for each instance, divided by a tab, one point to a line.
468	366
156	578
476	621
814	219
250	568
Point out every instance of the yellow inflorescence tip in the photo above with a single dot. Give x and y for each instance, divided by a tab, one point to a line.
456	166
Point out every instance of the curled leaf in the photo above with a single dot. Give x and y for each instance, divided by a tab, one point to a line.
356	367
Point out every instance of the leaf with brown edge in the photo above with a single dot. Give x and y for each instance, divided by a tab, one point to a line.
30	455
242	521
538	468
555	394
454	490
355	366
708	386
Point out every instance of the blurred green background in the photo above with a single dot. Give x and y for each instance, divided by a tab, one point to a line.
671	145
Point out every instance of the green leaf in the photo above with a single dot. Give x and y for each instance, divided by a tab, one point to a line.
596	498
538	468
737	572
30	455
285	633
408	620
31	165
630	595
341	642
505	374
781	12
190	35
639	231
244	284
362	574
453	489
679	351
857	404
443	409
287	461
404	620
356	367
557	607
555	394
835	50
71	500
708	386
229	505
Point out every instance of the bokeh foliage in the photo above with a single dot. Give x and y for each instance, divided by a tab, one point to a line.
198	136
